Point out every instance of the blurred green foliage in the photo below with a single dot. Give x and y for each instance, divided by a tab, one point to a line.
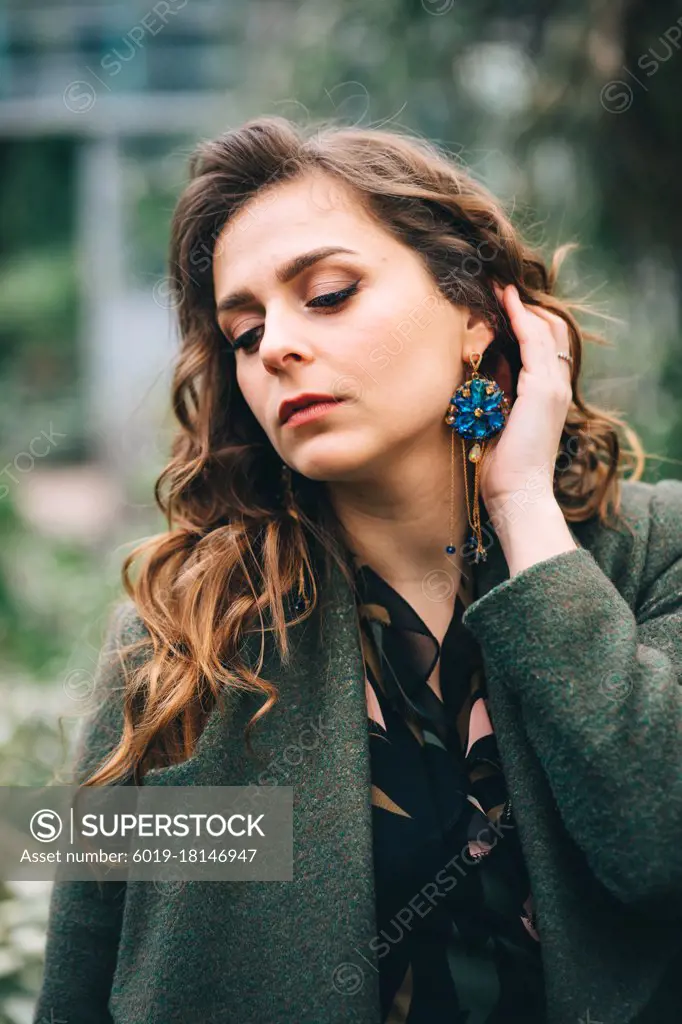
44	586
568	111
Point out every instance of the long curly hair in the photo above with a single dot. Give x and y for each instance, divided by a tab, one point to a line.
238	543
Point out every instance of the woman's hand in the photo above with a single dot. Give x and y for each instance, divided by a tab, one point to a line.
523	457
517	473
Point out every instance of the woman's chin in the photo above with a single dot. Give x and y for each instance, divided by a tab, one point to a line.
329	458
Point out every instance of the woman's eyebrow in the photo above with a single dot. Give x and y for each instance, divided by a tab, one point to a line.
284	274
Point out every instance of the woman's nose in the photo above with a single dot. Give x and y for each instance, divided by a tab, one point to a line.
283	340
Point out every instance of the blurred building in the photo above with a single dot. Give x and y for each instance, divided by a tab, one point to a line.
132	85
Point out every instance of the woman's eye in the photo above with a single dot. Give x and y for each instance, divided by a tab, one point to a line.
334	298
241	342
326	301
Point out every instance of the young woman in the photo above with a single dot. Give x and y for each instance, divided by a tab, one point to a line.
403	575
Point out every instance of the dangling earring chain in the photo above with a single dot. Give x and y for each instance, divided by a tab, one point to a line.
473	508
477	411
473	514
450	548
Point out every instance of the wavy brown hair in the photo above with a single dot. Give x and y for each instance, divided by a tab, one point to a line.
236	548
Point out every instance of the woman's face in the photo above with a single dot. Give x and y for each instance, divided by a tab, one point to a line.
390	349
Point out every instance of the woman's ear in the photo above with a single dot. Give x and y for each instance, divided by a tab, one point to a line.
479	332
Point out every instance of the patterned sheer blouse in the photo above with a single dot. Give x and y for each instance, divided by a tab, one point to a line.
456	936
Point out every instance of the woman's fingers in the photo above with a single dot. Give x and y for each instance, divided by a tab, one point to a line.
557	325
562	341
541	333
533	333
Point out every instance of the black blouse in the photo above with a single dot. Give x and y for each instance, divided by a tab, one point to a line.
456	936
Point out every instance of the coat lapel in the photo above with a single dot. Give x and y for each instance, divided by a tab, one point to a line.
307	938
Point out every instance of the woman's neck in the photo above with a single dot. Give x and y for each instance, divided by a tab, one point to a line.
397	519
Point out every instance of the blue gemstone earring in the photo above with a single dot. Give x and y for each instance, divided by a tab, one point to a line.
477	411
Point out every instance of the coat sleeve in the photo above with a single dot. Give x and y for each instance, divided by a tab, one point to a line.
599	685
85	916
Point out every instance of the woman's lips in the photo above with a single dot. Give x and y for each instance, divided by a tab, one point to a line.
311	412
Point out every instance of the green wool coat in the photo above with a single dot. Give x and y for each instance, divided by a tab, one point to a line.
583	658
